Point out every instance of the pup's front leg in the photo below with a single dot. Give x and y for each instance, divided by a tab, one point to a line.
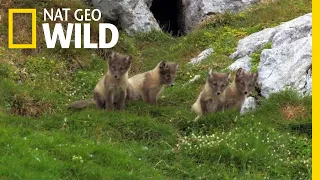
109	101
120	104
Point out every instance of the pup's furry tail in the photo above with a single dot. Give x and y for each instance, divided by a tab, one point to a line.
82	104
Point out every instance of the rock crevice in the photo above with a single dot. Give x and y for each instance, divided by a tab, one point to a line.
176	16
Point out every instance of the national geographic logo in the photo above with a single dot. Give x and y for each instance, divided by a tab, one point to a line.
33	13
80	30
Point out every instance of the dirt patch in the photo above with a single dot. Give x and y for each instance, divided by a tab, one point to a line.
24	105
291	112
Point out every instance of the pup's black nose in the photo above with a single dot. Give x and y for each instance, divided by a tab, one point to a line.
218	93
246	92
116	76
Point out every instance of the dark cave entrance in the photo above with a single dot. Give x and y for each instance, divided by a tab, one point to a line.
169	15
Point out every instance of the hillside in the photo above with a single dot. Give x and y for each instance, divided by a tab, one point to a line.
41	138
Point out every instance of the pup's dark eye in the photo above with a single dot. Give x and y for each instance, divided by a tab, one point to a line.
223	85
215	84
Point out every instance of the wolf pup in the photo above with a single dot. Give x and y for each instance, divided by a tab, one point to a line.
149	85
207	101
111	91
235	94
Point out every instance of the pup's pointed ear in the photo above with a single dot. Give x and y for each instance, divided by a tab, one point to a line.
112	55
239	72
229	76
255	76
129	59
211	71
163	64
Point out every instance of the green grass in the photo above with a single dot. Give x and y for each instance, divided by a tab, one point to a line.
256	57
41	138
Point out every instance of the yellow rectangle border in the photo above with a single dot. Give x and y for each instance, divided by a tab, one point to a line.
34	28
315	90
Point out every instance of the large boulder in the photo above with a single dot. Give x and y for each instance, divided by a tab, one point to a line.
288	64
132	15
285	33
135	15
196	11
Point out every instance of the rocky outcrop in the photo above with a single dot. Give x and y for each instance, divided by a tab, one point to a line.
196	11
254	42
288	64
135	15
132	15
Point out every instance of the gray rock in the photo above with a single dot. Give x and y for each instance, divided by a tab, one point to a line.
253	42
293	30
196	11
287	65
132	15
248	105
195	78
244	62
202	56
107	8
285	33
308	86
135	15
148	3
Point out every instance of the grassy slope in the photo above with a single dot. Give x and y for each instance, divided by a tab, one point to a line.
147	141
